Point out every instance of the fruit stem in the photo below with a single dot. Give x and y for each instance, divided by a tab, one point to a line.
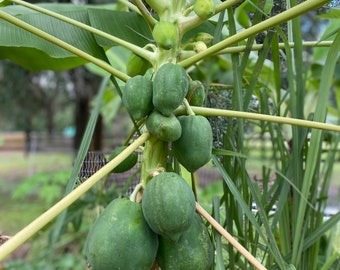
165	56
154	158
193	185
178	6
133	196
188	107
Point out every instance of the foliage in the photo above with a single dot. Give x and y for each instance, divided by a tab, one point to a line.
33	101
47	186
240	60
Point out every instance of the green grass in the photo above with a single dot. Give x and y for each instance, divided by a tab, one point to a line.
16	214
14	169
15	165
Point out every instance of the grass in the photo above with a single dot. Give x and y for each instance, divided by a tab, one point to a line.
15	167
16	214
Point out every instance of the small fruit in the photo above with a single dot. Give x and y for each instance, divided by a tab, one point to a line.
165	34
137	96
205	37
121	239
200	46
127	163
193	251
136	65
196	93
168	205
204	8
193	148
165	128
170	85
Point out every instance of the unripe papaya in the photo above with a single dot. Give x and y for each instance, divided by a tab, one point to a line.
196	93
200	46
166	34
127	163
204	37
120	238
193	148
204	8
137	96
165	128
168	205
193	251
170	85
136	65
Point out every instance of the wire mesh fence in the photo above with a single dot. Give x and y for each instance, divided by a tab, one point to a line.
95	160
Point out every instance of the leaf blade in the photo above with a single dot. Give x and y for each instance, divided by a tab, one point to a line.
22	46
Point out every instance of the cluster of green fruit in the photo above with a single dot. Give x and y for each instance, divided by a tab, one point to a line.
163	230
156	99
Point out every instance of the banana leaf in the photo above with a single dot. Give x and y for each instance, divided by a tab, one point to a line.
36	53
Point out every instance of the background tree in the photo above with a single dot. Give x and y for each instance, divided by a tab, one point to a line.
20	100
30	101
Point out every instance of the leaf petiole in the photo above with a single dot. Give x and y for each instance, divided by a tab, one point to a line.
134	48
257	116
257	28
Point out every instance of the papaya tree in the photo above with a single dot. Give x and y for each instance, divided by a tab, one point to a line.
198	75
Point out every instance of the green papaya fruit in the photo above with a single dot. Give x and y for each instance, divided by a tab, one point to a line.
127	163
165	128
137	96
204	37
193	251
204	8
136	65
193	148
120	238
168	205
170	86
199	46
165	34
196	93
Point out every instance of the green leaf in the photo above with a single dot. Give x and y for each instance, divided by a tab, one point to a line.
35	53
320	53
5	3
332	14
315	141
242	16
268	6
272	248
128	26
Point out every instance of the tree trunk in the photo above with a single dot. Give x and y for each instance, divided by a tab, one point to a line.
97	139
81	118
86	86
